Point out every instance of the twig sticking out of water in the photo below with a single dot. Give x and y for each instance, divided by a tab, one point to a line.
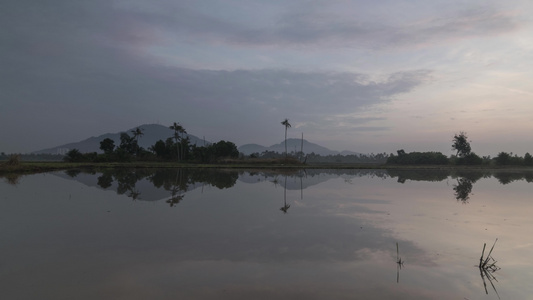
487	266
484	261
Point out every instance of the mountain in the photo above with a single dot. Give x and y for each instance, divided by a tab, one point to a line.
293	145
152	133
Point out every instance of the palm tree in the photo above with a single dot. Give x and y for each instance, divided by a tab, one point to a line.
287	125
178	135
137	133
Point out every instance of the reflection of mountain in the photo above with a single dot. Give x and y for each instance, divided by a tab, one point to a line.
150	184
302	179
160	184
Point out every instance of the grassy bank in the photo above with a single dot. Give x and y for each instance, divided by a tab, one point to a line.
39	167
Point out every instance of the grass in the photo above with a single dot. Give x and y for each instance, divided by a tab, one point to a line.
14	166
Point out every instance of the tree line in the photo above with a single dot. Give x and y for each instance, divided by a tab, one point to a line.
463	156
175	148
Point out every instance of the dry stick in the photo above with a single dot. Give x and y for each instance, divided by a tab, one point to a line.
488	256
482	253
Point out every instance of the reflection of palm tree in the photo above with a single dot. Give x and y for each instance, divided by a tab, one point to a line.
134	194
286	206
399	263
287	125
175	191
275	181
175	199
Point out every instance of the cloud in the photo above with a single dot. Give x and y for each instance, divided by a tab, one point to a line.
326	26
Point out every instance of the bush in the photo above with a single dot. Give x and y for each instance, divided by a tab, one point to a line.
14	160
74	155
418	158
469	159
528	159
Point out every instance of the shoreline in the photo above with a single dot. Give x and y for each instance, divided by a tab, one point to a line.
42	167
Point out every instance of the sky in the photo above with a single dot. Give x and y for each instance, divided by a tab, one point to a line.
364	76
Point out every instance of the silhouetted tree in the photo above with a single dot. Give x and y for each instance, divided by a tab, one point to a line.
74	155
503	158
287	125
160	149
528	159
461	144
107	145
178	135
128	144
137	133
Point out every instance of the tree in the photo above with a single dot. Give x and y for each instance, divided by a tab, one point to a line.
128	146
74	155
138	132
178	136
461	144
159	148
287	125
107	145
503	158
528	159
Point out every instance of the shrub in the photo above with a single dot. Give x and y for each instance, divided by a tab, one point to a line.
14	160
469	159
418	158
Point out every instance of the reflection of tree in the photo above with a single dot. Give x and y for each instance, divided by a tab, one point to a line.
179	186
126	180
508	177
134	194
419	175
462	189
472	175
286	206
105	180
13	179
176	196
73	172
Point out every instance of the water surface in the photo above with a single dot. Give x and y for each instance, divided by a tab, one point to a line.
314	234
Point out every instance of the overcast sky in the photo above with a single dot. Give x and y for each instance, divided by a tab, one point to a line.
366	76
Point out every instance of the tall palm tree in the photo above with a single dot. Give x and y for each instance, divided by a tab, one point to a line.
287	125
137	133
178	135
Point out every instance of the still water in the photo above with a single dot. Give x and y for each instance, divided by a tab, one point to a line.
313	234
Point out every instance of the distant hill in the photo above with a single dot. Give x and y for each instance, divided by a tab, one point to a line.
293	145
152	133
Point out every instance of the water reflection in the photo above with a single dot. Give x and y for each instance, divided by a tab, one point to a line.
178	181
462	189
230	241
399	263
285	206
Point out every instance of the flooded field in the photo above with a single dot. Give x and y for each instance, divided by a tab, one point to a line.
313	234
